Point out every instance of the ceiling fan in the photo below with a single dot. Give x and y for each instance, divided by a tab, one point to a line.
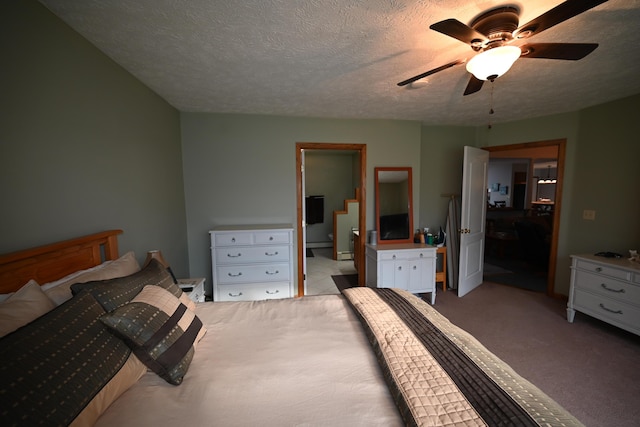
494	33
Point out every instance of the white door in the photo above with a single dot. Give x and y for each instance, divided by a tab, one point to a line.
472	219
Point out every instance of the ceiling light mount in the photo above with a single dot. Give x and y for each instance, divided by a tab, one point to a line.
502	20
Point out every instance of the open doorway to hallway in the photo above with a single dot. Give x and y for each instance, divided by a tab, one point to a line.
523	211
325	235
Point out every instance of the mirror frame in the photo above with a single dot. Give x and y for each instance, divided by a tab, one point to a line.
409	200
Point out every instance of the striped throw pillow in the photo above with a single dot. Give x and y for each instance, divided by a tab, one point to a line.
113	293
160	330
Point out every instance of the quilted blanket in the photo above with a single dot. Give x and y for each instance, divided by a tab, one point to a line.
440	375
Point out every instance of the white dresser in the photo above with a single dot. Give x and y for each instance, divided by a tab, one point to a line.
409	266
606	288
252	262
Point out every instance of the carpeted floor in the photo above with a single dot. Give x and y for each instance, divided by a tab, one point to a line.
514	273
589	367
345	281
529	281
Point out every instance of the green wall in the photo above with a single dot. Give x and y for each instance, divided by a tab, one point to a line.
84	146
441	171
331	175
240	169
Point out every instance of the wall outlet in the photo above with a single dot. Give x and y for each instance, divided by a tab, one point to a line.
589	214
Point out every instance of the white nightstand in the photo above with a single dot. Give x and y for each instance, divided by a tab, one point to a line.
193	287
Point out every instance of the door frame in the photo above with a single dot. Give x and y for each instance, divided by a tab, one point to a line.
362	214
553	252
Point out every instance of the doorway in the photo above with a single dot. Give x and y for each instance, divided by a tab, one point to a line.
533	151
361	150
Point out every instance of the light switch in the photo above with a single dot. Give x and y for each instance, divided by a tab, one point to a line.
589	214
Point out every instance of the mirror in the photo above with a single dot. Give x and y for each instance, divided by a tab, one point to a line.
394	205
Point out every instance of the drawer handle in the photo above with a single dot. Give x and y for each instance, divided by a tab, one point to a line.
415	267
234	256
233	240
272	292
270	238
609	310
271	254
619	291
394	257
271	273
421	254
239	294
399	268
235	275
598	269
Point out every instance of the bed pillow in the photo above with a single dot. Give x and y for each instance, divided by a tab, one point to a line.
66	367
113	293
160	330
60	290
23	306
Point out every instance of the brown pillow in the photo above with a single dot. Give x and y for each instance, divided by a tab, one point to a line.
66	366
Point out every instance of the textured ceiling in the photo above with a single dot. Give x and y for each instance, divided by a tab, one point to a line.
343	59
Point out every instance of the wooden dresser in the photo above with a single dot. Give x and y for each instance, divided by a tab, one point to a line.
607	289
252	262
409	266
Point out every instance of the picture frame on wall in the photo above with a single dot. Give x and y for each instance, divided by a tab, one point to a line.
504	190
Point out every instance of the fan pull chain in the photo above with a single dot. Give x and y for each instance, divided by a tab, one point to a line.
491	106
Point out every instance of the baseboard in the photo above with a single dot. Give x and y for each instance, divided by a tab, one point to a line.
319	245
342	256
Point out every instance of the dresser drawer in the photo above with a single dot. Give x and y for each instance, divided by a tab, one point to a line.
607	287
232	239
230	274
406	254
253	292
251	238
252	254
271	237
604	270
607	309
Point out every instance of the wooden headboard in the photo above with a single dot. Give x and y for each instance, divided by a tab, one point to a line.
54	261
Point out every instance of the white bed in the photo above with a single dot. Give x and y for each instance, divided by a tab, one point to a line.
279	362
368	357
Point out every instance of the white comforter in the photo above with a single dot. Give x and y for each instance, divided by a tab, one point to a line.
293	362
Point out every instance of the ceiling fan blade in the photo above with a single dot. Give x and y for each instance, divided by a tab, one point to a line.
428	73
473	86
558	14
570	51
458	30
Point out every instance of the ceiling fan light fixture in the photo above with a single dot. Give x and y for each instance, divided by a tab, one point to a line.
493	63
